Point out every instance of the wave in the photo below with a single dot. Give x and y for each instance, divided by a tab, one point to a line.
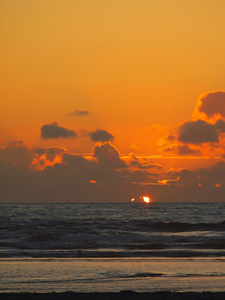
112	230
106	253
118	226
180	275
180	226
141	275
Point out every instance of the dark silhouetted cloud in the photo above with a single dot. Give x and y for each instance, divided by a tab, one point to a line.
186	179
220	125
17	153
50	152
143	164
197	132
146	166
53	131
103	178
183	149
186	150
75	161
212	103
108	155
214	174
79	113
101	136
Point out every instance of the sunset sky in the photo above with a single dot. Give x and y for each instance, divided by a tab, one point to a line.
105	101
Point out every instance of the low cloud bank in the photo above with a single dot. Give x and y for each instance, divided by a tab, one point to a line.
34	174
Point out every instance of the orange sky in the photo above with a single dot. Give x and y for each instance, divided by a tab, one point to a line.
137	68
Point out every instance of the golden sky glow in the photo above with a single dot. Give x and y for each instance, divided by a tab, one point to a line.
132	73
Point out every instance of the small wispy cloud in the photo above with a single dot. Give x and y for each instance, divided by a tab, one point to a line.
79	113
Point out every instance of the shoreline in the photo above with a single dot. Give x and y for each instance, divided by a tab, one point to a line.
123	295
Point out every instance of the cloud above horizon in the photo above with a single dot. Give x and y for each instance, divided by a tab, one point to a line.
220	125
79	113
17	153
212	104
108	155
49	152
54	131
204	134
101	136
186	150
197	132
34	174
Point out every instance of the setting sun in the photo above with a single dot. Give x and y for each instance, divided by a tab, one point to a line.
146	199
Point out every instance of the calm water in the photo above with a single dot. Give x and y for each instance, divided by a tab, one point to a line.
109	247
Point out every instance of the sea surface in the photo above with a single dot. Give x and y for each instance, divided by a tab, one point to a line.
112	247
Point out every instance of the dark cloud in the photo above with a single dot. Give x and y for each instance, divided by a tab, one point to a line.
143	164
183	150
108	155
104	178
146	166
220	125
79	113
20	154
186	150
101	136
212	103
50	152
53	131
197	132
74	179
216	173
75	161
17	153
186	178
210	178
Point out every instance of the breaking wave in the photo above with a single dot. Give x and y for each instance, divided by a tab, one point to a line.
112	230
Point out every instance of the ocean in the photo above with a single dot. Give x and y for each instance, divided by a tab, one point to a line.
112	247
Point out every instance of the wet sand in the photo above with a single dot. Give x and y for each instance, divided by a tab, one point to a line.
124	295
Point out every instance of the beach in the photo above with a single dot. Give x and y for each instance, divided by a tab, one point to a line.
112	278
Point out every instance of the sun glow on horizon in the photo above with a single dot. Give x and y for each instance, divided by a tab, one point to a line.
146	199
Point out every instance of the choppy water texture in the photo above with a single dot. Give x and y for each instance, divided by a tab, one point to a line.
112	230
112	247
